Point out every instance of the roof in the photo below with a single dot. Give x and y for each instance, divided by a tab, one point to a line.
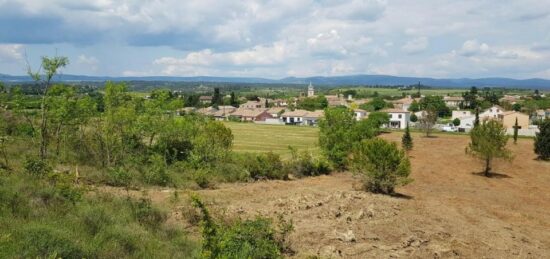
453	98
245	112
406	100
359	110
315	114
295	113
394	111
205	97
274	110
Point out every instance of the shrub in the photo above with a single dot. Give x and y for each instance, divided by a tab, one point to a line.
414	118
203	178
37	240
36	166
456	122
148	215
304	164
241	239
381	164
542	141
264	166
156	173
119	177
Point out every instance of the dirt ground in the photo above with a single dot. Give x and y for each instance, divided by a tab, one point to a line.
447	212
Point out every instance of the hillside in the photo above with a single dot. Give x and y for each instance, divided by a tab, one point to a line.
534	83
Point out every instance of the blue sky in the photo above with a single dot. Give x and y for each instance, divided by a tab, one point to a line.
280	38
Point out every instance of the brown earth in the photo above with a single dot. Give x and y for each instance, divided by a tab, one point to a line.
447	212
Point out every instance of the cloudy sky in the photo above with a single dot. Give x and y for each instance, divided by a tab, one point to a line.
280	38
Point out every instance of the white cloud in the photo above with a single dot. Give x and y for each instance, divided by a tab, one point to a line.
90	61
415	45
10	53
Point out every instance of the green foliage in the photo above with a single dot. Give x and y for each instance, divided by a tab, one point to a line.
334	135
376	104
488	142
381	164
147	215
242	239
156	172
36	166
414	107
406	140
304	164
264	166
456	122
436	104
119	177
542	141
414	118
313	103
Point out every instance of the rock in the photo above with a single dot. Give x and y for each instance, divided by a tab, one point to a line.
348	236
360	215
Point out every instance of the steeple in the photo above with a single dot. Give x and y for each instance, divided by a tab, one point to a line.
310	90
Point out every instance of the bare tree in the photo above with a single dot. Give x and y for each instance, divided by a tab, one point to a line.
428	120
51	67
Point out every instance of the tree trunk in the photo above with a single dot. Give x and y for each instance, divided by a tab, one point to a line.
487	167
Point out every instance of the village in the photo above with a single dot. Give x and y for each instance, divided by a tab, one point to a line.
401	112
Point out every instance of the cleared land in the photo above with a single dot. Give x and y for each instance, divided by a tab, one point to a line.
251	137
447	212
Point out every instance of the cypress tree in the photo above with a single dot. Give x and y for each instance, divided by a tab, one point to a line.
476	122
516	131
542	140
407	141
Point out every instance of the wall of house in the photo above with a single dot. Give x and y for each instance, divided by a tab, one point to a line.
510	120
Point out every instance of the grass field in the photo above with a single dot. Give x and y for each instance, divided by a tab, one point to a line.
250	137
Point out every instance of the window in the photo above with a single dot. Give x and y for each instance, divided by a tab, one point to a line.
399	116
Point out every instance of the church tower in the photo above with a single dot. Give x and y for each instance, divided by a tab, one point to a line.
310	90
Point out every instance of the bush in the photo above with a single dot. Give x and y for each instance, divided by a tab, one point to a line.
414	118
456	122
156	173
119	177
203	178
38	240
36	166
304	164
382	165
242	239
147	215
264	166
542	141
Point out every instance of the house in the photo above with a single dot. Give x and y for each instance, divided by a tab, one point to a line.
312	118
466	123
453	101
253	104
295	117
491	113
205	99
336	100
404	103
461	114
360	114
279	103
276	111
541	114
512	99
223	112
398	118
509	119
302	117
253	115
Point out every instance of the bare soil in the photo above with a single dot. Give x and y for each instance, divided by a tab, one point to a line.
449	211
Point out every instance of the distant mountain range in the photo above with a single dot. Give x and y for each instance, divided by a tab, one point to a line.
534	83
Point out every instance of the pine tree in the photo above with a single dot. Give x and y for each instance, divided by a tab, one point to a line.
407	141
516	131
488	142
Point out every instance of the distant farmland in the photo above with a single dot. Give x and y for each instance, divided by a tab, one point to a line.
250	137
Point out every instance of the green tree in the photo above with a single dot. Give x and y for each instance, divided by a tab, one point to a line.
542	140
335	134
233	100
516	107
414	106
406	140
435	103
216	98
381	164
51	67
488	142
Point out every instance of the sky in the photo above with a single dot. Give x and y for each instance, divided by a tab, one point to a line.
280	38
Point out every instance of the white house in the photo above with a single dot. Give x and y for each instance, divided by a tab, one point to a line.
491	113
398	118
461	114
360	114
